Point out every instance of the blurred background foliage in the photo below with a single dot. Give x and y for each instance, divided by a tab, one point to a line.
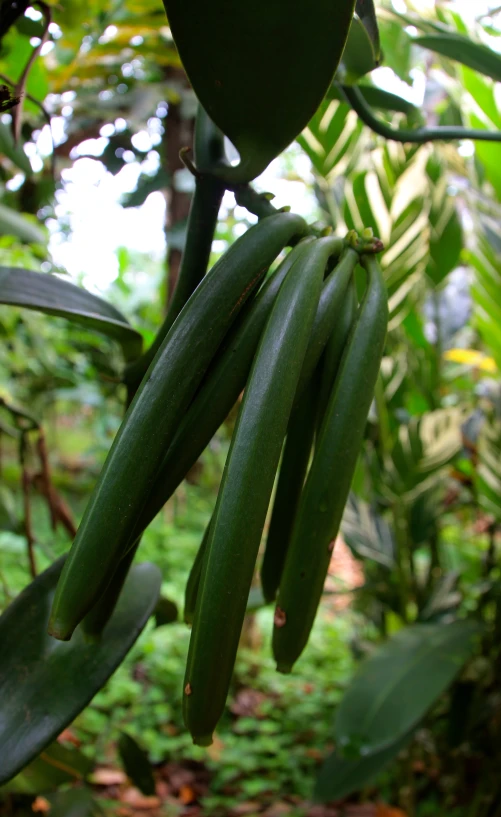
420	545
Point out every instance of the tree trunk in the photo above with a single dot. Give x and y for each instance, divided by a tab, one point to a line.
178	134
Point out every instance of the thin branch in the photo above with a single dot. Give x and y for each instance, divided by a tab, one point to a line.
46	115
417	135
61	509
21	83
45	477
26	485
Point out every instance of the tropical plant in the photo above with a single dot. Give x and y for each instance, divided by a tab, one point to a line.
305	338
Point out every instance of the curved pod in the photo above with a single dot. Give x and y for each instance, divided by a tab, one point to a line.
152	418
329	479
244	495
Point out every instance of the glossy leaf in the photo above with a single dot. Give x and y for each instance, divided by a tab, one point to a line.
45	683
259	73
394	688
54	296
136	764
367	13
341	776
385	100
463	50
396	48
359	57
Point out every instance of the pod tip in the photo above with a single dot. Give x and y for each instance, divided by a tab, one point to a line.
202	740
57	630
285	669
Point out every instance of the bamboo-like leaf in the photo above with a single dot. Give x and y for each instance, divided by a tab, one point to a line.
54	296
488	471
366	533
465	51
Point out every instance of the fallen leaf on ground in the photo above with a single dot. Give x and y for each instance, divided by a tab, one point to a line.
40	805
108	777
134	798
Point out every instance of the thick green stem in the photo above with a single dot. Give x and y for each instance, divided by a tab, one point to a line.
416	135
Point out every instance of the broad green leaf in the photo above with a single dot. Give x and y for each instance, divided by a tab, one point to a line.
367	13
45	683
482	92
394	689
463	50
341	776
359	57
385	100
375	97
16	51
17	224
396	48
266	103
53	767
488	153
136	764
54	296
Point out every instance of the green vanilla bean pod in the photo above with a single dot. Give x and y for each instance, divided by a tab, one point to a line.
202	222
153	416
220	388
335	346
328	483
245	491
295	459
224	381
242	61
193	583
328	312
228	373
99	615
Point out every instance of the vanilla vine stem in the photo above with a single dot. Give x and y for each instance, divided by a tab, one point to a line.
413	135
